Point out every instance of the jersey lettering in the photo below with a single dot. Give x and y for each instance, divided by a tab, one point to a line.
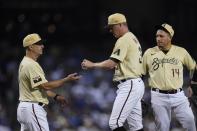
156	62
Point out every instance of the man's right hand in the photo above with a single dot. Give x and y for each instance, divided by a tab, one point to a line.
86	64
73	77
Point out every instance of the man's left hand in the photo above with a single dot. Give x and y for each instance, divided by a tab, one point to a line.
62	101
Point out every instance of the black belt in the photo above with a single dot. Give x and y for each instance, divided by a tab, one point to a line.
174	91
39	103
121	81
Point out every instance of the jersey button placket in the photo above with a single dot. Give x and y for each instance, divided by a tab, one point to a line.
164	68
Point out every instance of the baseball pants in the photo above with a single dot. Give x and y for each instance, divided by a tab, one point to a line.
193	103
127	105
32	117
164	104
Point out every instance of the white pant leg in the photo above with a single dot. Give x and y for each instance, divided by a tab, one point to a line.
183	112
32	117
162	110
125	102
135	117
163	104
194	109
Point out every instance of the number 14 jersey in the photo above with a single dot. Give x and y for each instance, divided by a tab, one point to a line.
166	70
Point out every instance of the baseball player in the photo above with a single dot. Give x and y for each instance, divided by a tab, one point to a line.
126	59
34	88
164	64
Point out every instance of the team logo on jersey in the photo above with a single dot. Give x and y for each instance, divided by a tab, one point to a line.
37	79
117	52
156	62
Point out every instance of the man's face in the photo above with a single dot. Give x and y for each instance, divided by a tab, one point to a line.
163	39
115	30
38	48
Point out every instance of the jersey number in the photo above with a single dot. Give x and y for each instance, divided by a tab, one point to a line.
175	72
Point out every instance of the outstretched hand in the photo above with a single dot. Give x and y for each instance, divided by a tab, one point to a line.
86	64
73	77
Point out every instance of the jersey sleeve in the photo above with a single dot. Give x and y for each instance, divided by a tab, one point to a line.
189	62
120	50
36	76
114	60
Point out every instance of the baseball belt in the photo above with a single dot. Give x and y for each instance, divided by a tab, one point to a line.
174	91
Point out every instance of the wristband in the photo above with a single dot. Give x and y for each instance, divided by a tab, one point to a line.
55	97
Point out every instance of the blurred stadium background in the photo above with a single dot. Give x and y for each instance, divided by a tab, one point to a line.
74	30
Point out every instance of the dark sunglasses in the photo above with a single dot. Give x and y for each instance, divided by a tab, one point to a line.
39	43
110	27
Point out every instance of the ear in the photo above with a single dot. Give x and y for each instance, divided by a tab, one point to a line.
169	38
30	47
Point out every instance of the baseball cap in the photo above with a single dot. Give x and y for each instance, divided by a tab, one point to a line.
31	39
167	28
116	18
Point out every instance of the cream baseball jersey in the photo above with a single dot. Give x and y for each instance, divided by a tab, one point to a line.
128	51
30	76
166	70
